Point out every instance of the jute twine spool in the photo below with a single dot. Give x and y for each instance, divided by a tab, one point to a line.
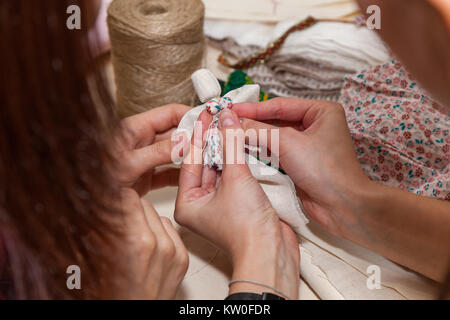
156	46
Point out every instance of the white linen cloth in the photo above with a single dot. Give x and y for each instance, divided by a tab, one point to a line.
342	45
338	269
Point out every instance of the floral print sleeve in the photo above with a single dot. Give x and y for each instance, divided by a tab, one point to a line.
401	135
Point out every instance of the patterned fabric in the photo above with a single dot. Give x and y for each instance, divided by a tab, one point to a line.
401	135
238	79
212	155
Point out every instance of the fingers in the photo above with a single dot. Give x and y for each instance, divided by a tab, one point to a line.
233	145
287	109
170	251
153	219
279	141
209	178
180	248
282	123
165	135
165	177
164	243
152	156
258	133
134	214
140	162
167	237
143	127
157	179
192	167
179	261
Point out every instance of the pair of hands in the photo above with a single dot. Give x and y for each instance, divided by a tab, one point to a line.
231	209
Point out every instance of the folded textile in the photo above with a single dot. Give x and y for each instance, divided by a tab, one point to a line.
311	63
290	76
343	45
278	10
338	269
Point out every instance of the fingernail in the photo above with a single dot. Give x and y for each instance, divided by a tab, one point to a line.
227	118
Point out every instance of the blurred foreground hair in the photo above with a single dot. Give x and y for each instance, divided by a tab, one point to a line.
56	123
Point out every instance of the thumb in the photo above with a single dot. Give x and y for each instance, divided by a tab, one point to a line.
233	143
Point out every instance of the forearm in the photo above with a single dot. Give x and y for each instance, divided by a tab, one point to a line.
411	230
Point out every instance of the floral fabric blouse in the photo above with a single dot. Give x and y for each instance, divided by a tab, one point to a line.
401	135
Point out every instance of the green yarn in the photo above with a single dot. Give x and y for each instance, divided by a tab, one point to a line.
238	79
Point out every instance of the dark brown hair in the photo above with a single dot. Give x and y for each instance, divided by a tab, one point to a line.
56	122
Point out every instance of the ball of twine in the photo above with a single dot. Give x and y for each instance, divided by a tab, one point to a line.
156	46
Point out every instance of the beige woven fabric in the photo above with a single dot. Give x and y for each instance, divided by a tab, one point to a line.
289	75
311	63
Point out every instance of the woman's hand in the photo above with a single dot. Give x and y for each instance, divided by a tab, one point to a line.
317	152
231	210
154	258
144	143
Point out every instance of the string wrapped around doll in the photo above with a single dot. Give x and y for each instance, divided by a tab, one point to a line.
212	154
